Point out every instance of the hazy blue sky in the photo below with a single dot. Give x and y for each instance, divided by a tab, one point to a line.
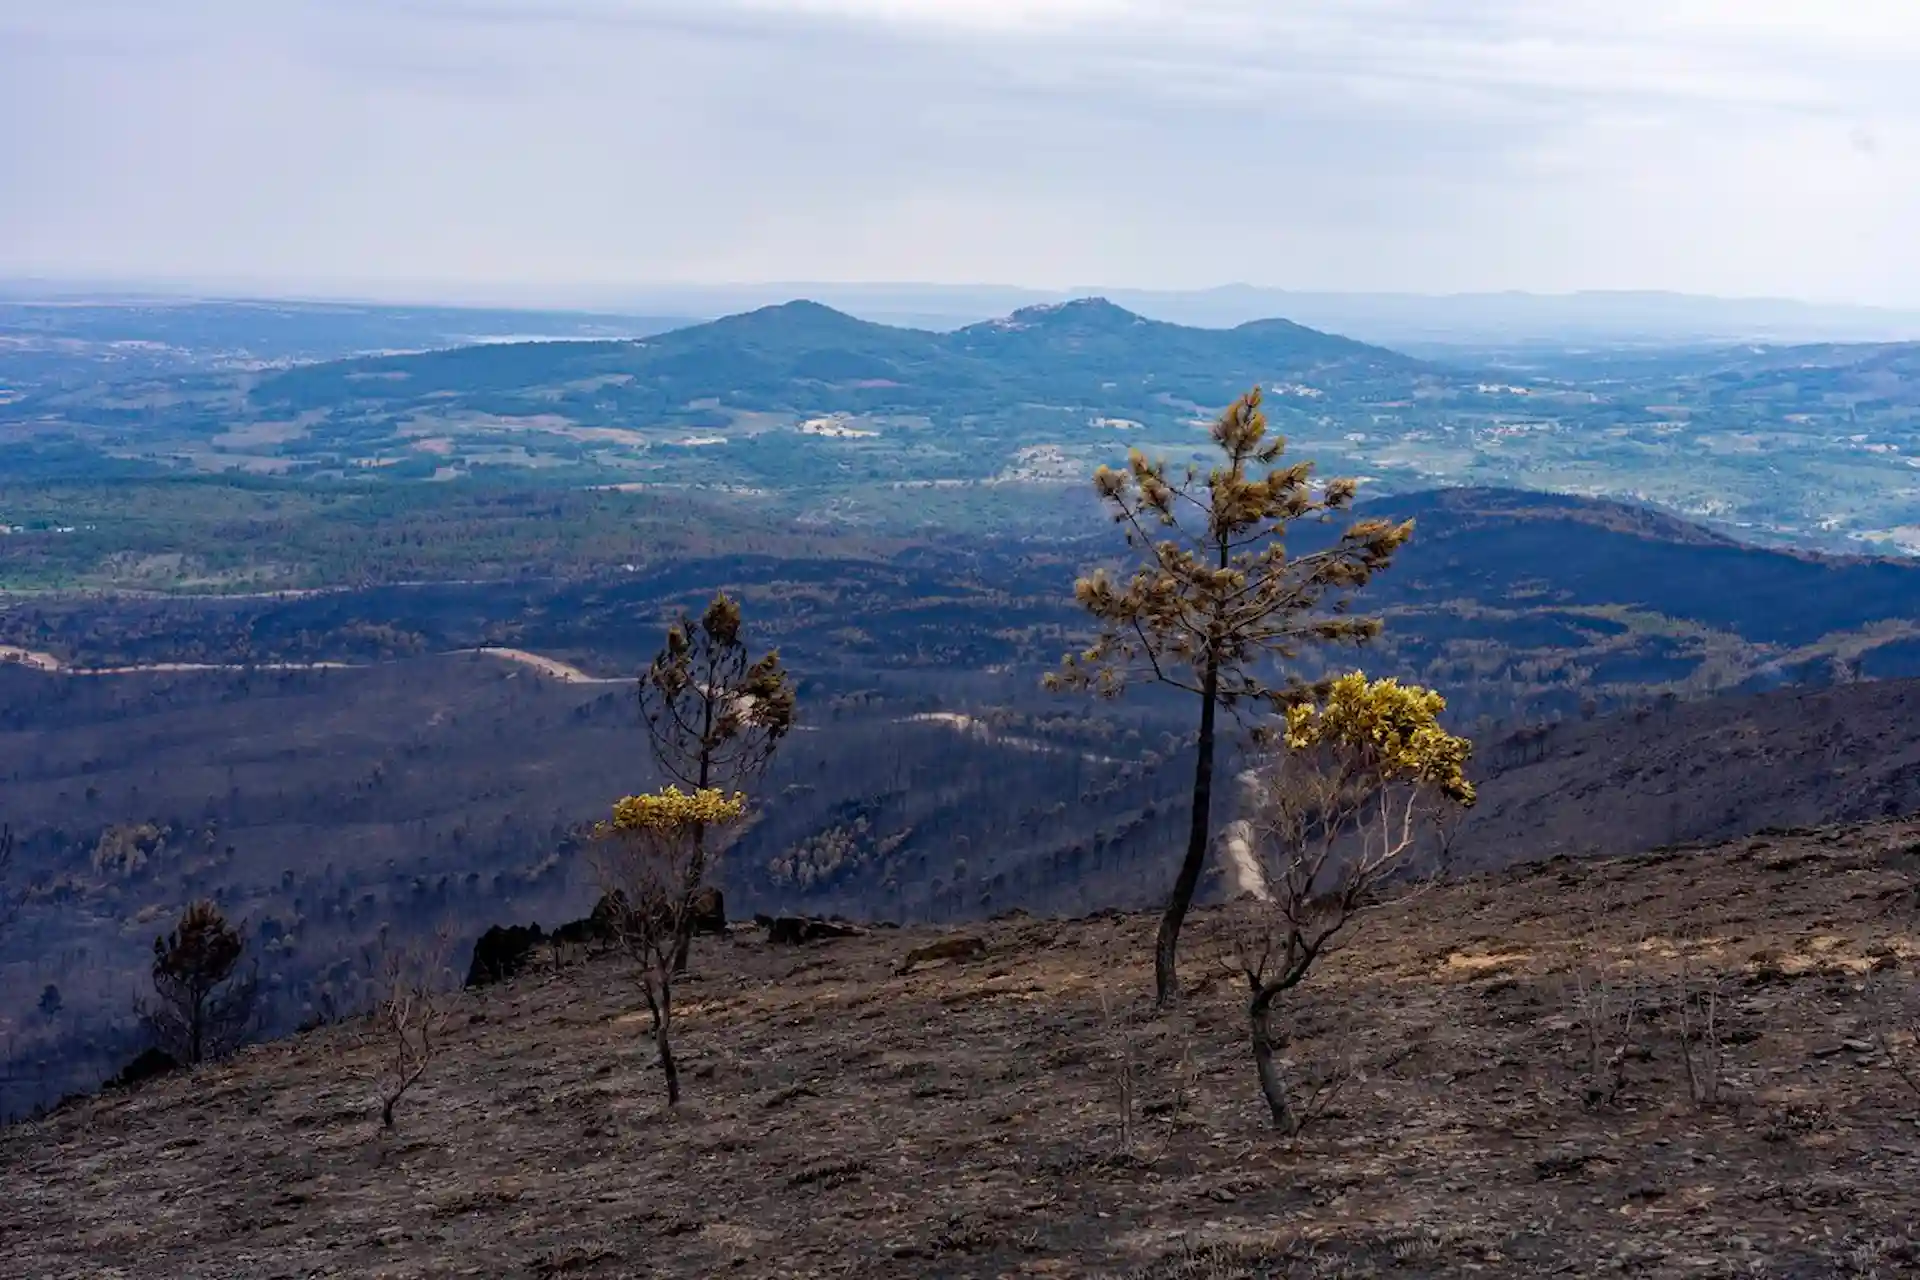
1724	146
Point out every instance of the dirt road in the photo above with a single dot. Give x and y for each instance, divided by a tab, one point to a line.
564	672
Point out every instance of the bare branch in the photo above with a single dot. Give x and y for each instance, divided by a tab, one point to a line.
1609	1000
1337	823
416	1005
1898	1033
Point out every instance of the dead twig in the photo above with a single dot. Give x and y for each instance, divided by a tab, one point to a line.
1610	1001
1120	1030
1700	1036
416	998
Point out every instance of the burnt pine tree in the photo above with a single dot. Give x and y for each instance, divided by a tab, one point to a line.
8	905
204	1007
714	717
642	859
1216	600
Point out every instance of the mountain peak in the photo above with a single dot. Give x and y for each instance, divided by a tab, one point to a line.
800	309
800	320
1075	313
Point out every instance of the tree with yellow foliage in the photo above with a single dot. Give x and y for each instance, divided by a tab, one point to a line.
1217	599
1360	778
714	716
645	858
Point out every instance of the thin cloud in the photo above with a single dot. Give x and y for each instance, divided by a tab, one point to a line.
1711	145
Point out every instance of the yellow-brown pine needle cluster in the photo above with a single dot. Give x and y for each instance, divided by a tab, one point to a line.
673	809
1392	727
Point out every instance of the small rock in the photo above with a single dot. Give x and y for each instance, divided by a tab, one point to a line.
960	947
800	930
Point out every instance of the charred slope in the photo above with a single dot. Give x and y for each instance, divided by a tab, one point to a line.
1507	600
1709	770
1544	551
323	806
962	1120
329	802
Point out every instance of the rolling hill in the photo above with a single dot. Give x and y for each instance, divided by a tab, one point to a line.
866	426
806	358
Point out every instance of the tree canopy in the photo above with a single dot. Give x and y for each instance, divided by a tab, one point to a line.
1217	599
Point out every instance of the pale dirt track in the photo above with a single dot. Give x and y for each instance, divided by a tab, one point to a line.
561	671
564	672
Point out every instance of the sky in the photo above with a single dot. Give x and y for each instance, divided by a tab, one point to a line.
566	148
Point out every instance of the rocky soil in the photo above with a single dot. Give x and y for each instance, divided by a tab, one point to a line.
1026	1113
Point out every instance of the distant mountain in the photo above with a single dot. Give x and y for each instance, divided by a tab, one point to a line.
1093	335
1845	387
1439	322
805	357
1610	318
788	347
1084	354
856	422
1871	377
1502	513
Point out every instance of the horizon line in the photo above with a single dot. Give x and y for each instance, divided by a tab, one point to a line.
550	296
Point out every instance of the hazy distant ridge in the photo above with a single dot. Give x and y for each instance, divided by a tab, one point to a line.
1464	319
